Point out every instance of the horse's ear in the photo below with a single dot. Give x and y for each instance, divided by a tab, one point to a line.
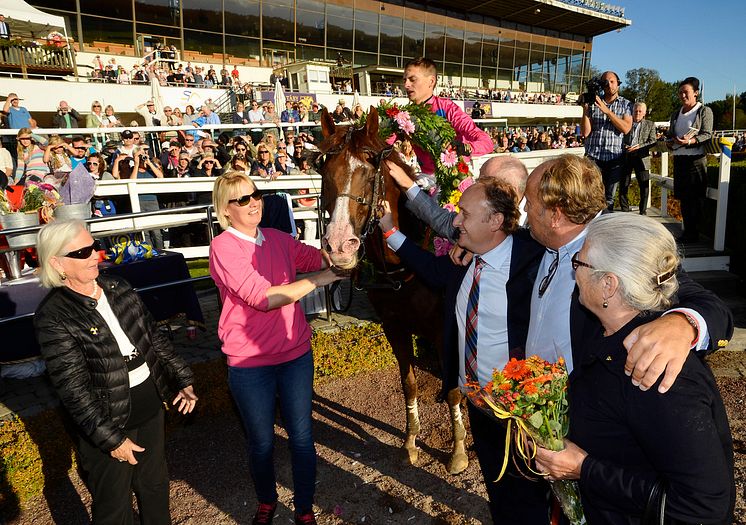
371	123
327	124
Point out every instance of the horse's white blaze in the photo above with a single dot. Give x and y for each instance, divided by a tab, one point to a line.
341	213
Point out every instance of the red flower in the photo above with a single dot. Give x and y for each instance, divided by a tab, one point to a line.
392	112
462	168
515	369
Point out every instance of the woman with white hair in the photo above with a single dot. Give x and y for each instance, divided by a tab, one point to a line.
639	454
113	370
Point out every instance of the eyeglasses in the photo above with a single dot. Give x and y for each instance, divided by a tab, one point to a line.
209	162
189	139
244	199
96	105
93	164
544	284
577	262
240	149
85	252
263	151
79	147
282	147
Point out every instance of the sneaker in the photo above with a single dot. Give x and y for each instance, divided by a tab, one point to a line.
264	514
307	518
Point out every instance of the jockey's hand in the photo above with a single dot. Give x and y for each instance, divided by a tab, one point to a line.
386	222
400	176
460	256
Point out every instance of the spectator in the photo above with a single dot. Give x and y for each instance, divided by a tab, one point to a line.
57	158
111	118
170	158
6	166
66	117
189	146
17	116
264	166
197	79
96	118
476	111
126	150
289	114
208	166
148	112
315	114
189	115
281	163
30	157
177	117
637	144
604	124
221	151
521	146
240	116
144	168
235	74
122	76
339	114
184	168
117	410
302	113
96	165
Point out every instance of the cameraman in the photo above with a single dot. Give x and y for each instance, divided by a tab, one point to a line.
604	124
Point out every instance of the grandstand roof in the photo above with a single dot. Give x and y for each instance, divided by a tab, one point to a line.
565	16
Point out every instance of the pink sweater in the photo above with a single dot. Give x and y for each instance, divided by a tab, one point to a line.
252	335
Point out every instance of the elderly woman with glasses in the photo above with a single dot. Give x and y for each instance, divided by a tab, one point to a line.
668	457
113	370
96	118
266	338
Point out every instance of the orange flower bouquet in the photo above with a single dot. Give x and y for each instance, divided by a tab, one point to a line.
531	396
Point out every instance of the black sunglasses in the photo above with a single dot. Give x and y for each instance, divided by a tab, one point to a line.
244	199
544	284
576	263
85	252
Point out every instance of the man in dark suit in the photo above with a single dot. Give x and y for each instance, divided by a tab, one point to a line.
4	28
637	144
482	337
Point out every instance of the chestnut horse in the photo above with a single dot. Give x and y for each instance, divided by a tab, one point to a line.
355	183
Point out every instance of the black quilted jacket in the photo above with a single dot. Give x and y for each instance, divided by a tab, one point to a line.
86	366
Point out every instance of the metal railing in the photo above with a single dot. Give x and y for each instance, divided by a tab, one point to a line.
36	58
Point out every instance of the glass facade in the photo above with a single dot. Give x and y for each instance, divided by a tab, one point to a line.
471	51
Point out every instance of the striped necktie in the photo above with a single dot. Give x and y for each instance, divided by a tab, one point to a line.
472	307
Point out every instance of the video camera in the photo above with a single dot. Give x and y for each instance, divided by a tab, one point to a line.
596	86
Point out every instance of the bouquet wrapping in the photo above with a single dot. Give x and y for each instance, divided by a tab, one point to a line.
530	395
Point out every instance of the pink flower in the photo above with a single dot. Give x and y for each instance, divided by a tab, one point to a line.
468	181
450	207
448	158
405	123
442	246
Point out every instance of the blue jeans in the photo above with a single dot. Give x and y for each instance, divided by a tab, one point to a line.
256	391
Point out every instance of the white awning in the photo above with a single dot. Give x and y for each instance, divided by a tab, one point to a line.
27	21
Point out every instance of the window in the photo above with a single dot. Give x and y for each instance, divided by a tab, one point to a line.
242	47
241	17
278	22
366	36
203	42
391	38
97	29
339	32
310	27
434	42
165	12
110	9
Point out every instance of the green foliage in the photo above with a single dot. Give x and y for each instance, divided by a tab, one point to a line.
638	83
353	350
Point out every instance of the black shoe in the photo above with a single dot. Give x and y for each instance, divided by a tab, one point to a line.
264	514
643	212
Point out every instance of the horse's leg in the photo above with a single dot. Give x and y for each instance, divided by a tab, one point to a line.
401	344
458	461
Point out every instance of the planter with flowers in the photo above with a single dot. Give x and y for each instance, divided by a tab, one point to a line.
21	207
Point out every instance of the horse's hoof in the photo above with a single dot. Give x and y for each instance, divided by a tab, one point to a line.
458	463
411	456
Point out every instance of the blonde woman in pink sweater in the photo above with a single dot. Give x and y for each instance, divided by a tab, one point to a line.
266	337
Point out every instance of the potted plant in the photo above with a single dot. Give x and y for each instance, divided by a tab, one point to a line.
35	201
76	193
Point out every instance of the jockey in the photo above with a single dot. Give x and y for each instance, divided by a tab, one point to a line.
420	78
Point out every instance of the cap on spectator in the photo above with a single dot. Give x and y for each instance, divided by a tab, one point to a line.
111	145
342	101
127	134
175	143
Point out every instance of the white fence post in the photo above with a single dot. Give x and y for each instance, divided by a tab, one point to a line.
664	191
721	213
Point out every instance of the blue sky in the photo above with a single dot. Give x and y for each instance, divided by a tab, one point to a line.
680	38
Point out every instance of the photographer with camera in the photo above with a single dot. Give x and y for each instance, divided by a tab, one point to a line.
67	117
607	117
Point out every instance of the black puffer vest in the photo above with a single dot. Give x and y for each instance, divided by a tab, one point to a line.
85	364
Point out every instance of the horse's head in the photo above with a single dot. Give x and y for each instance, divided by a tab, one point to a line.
355	183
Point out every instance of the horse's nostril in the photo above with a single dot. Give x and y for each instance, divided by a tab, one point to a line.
350	245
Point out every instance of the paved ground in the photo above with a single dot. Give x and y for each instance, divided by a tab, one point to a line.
26	397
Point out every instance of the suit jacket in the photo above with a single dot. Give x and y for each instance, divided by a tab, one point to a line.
76	121
438	218
646	140
440	273
8	35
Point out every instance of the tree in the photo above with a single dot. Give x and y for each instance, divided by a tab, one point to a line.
639	83
662	100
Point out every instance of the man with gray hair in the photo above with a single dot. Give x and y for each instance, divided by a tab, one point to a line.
505	168
637	144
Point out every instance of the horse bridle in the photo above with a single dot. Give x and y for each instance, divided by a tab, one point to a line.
371	221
